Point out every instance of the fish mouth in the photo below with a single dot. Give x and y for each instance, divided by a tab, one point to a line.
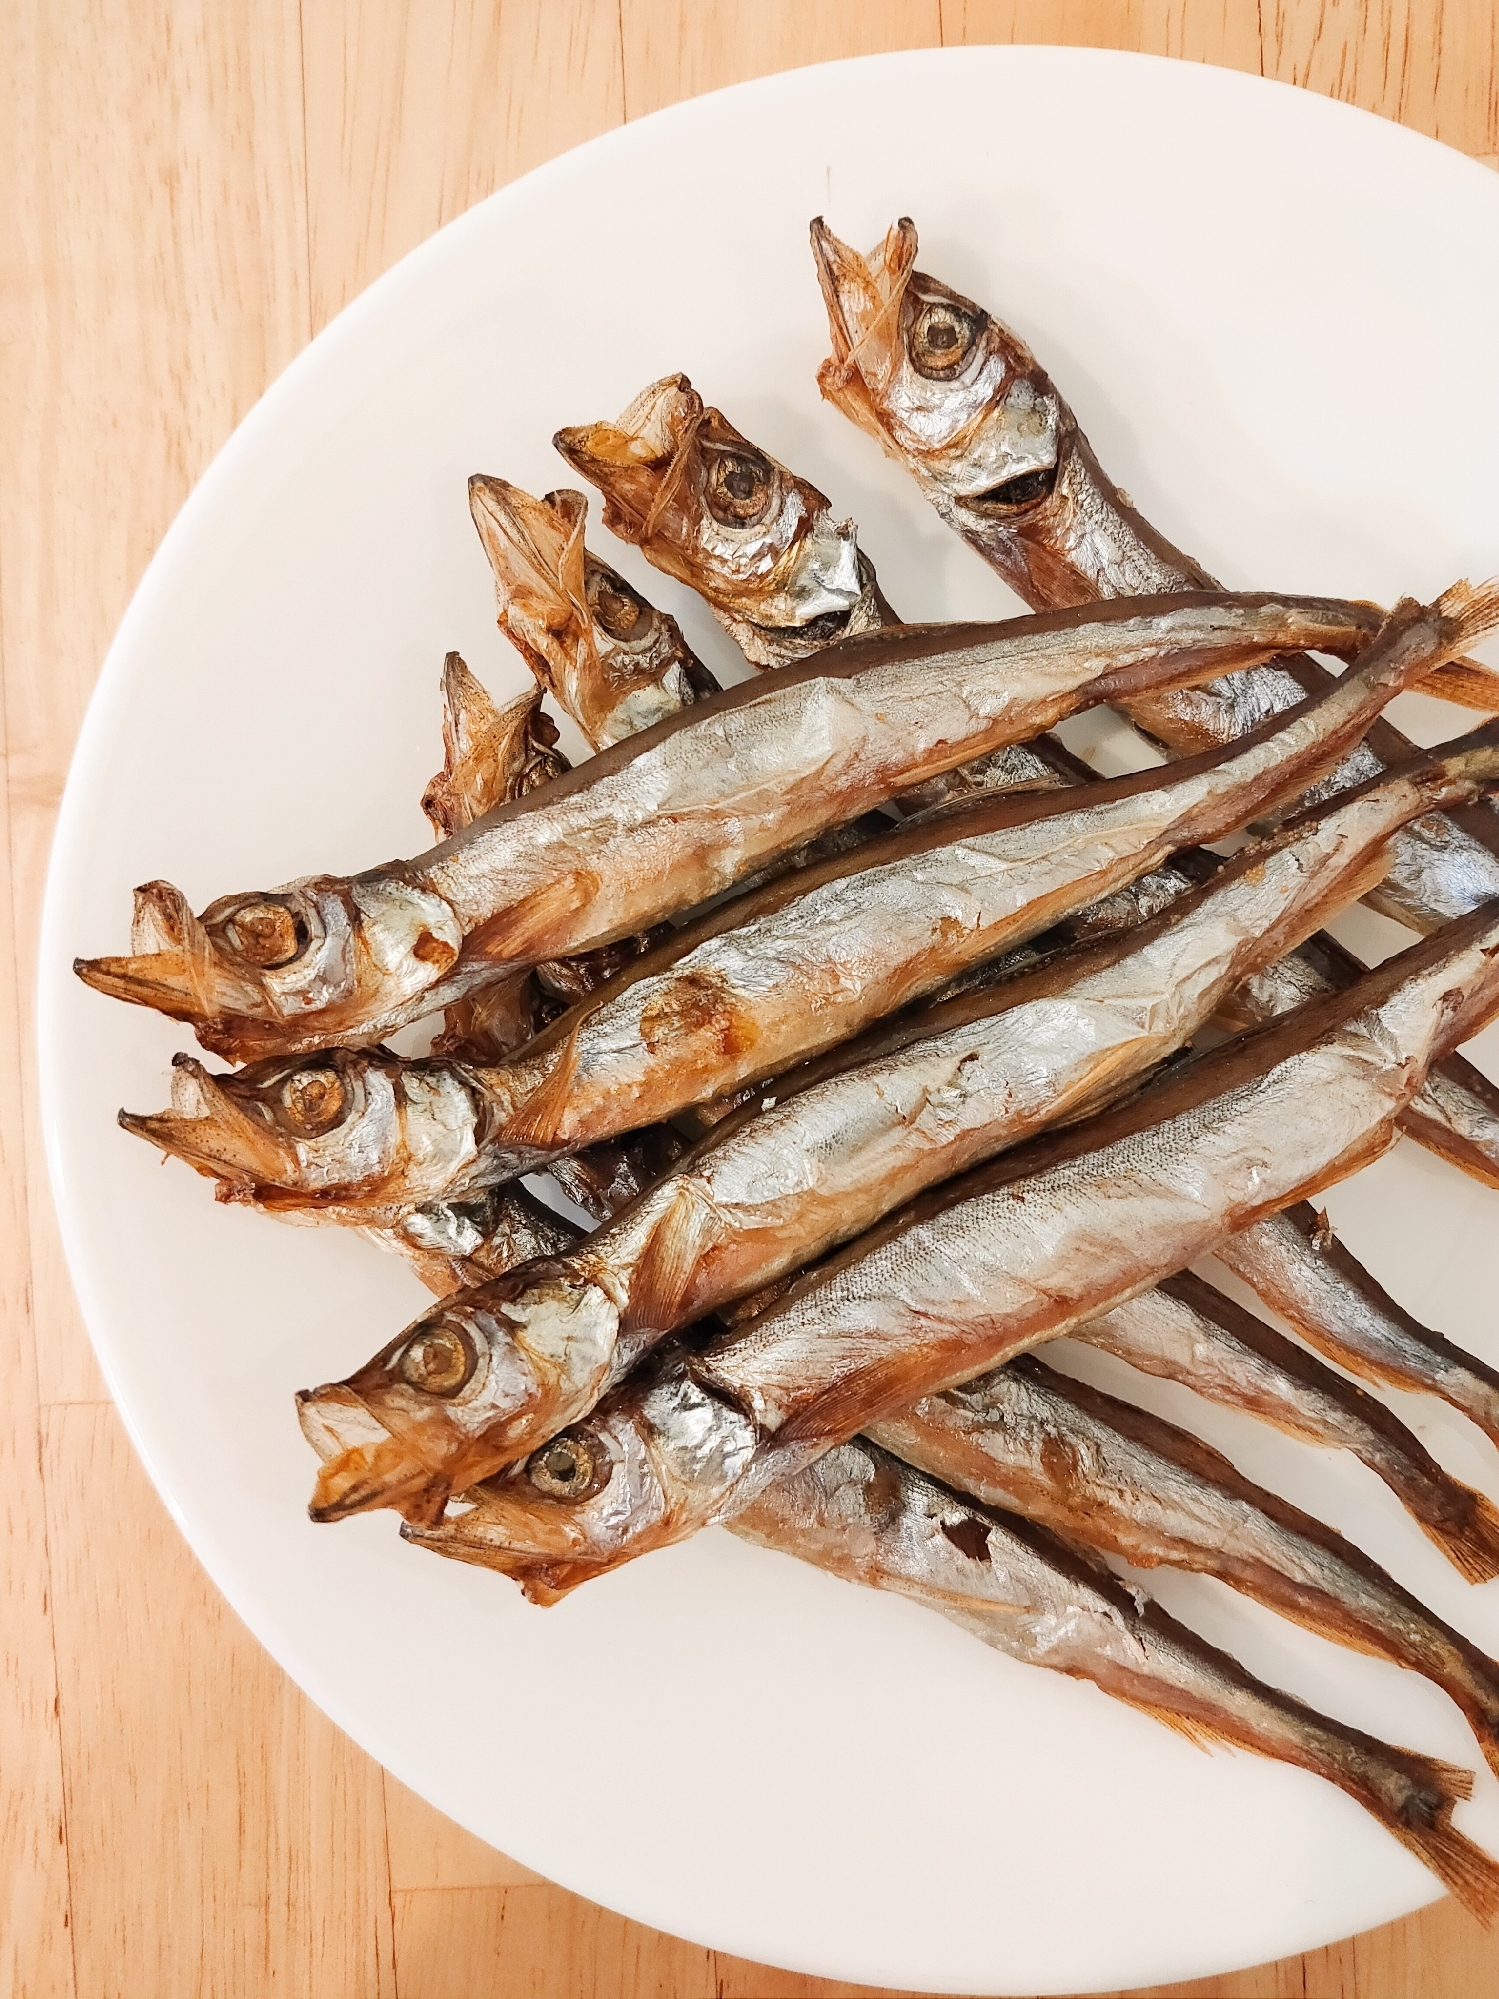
210	1132
158	979
543	1579
373	1471
1013	496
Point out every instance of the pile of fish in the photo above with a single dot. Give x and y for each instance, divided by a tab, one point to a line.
886	1043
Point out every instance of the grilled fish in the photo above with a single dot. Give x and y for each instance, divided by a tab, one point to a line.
667	819
970	1274
1115	1479
841	1145
863	1515
1295	1263
615	663
761	983
961	403
1187	1331
708	507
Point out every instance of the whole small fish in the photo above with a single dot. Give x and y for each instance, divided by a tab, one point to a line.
1295	1263
1187	1331
861	1514
667	819
962	404
710	508
615	663
1119	1480
970	1274
768	980
868	1128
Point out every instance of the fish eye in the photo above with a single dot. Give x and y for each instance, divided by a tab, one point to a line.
313	1100
1013	496
740	488
264	934
615	606
941	338
572	1466
439	1361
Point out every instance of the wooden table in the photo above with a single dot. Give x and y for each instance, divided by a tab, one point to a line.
189	191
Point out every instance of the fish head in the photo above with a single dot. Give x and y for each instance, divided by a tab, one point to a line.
476	1383
720	514
490	754
317	960
586	632
939	383
342	1135
649	1466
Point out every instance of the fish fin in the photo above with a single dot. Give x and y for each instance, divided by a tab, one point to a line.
1465	1870
1473	609
663	1276
1188	1726
538	1121
1471	1544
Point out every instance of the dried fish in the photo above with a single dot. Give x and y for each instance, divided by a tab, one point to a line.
863	1515
1116	1479
713	510
1006	1257
666	820
858	1134
615	663
963	405
1185	1330
773	978
1295	1263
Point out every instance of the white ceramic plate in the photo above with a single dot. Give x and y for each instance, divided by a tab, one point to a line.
1276	318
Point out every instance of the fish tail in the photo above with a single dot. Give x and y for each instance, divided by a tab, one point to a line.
1464	1869
1470	1540
1471	610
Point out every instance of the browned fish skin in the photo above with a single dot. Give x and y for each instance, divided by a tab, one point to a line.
1184	1330
961	403
1296	1264
1099	1471
615	663
454	1245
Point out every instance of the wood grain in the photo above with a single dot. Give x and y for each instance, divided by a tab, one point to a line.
191	191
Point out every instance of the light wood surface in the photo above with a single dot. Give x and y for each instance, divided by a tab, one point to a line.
187	192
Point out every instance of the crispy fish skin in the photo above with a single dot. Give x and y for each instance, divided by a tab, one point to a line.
668	819
961	403
863	1515
942	1090
1187	1331
453	1245
717	513
770	980
1123	1482
615	663
981	1269
1296	1265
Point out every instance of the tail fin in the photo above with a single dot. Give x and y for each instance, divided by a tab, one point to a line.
1469	1533
1463	1869
1472	610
